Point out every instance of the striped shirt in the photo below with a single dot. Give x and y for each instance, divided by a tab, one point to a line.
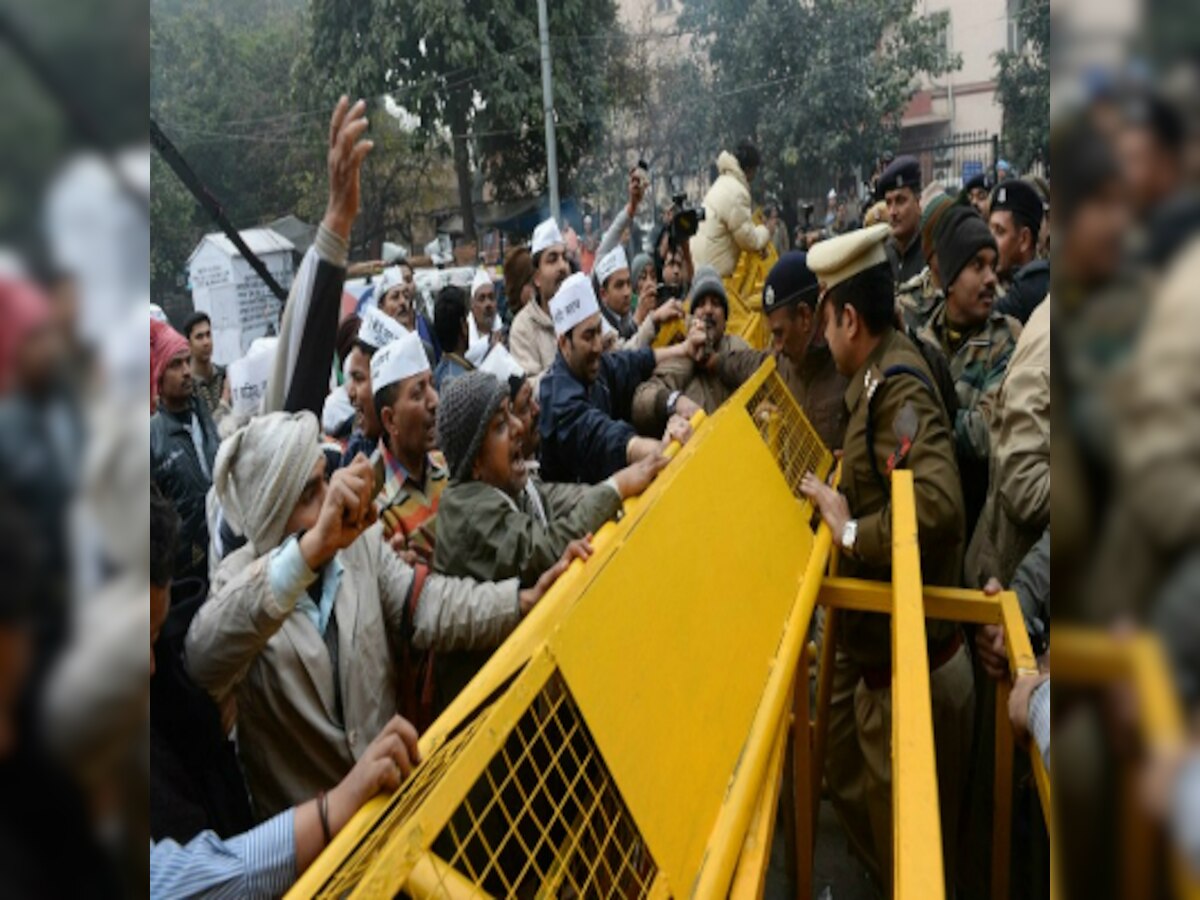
259	863
1039	719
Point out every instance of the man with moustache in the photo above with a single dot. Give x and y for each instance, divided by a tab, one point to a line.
897	419
900	187
976	340
532	340
406	405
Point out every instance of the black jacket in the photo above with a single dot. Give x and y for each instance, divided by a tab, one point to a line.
1029	288
175	466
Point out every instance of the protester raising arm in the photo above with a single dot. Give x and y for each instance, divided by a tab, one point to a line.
300	379
612	237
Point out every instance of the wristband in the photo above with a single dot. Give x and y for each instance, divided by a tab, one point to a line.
323	812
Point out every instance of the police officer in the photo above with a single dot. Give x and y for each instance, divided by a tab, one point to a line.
977	191
897	420
976	341
900	187
1016	218
917	298
803	361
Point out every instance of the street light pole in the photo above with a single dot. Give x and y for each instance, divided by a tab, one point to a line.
548	109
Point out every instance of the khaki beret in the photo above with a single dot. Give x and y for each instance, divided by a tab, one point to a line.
837	259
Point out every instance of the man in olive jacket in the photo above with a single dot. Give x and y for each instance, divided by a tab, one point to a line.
490	525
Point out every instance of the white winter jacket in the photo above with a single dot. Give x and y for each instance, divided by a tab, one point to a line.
728	227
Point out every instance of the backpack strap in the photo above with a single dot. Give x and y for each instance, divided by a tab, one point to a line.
898	369
415	683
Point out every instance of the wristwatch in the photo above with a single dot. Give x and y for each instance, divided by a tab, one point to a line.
672	399
849	536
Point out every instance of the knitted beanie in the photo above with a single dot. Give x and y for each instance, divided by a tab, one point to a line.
639	263
960	234
465	408
707	283
261	471
931	215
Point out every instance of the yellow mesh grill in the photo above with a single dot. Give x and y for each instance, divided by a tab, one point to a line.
409	798
789	436
545	816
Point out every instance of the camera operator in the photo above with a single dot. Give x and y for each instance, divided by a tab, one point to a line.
728	226
672	250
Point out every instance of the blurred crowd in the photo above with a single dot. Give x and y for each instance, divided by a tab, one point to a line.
337	530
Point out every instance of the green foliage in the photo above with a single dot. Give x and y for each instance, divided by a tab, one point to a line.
470	71
827	103
221	90
1023	86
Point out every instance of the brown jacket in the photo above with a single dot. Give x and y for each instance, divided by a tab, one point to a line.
866	637
703	387
815	383
1017	509
251	642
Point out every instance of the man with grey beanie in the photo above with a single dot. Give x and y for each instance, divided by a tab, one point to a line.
682	386
496	519
308	623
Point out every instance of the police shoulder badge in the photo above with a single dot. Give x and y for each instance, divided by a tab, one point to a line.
905	428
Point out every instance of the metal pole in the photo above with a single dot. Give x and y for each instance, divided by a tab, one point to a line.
548	109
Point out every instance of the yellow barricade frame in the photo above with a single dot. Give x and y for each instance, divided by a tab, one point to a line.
544	651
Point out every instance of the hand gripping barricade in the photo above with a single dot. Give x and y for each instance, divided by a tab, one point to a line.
628	739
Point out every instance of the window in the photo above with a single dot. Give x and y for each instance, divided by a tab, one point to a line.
663	6
941	22
1015	40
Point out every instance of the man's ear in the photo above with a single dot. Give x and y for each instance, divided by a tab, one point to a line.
563	341
1028	239
387	417
850	321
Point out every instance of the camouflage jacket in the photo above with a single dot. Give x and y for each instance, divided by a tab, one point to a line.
916	299
977	365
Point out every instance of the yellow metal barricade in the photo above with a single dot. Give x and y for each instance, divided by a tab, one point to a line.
629	738
744	288
625	739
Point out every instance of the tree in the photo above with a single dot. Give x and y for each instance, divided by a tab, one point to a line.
221	89
470	71
1023	85
829	106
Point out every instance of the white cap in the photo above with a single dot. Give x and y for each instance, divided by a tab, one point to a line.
500	362
832	193
840	258
545	235
156	312
379	329
481	280
390	278
574	302
611	263
398	360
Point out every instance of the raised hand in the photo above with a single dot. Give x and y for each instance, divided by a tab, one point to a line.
345	158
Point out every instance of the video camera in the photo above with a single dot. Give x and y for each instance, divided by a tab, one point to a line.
685	222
